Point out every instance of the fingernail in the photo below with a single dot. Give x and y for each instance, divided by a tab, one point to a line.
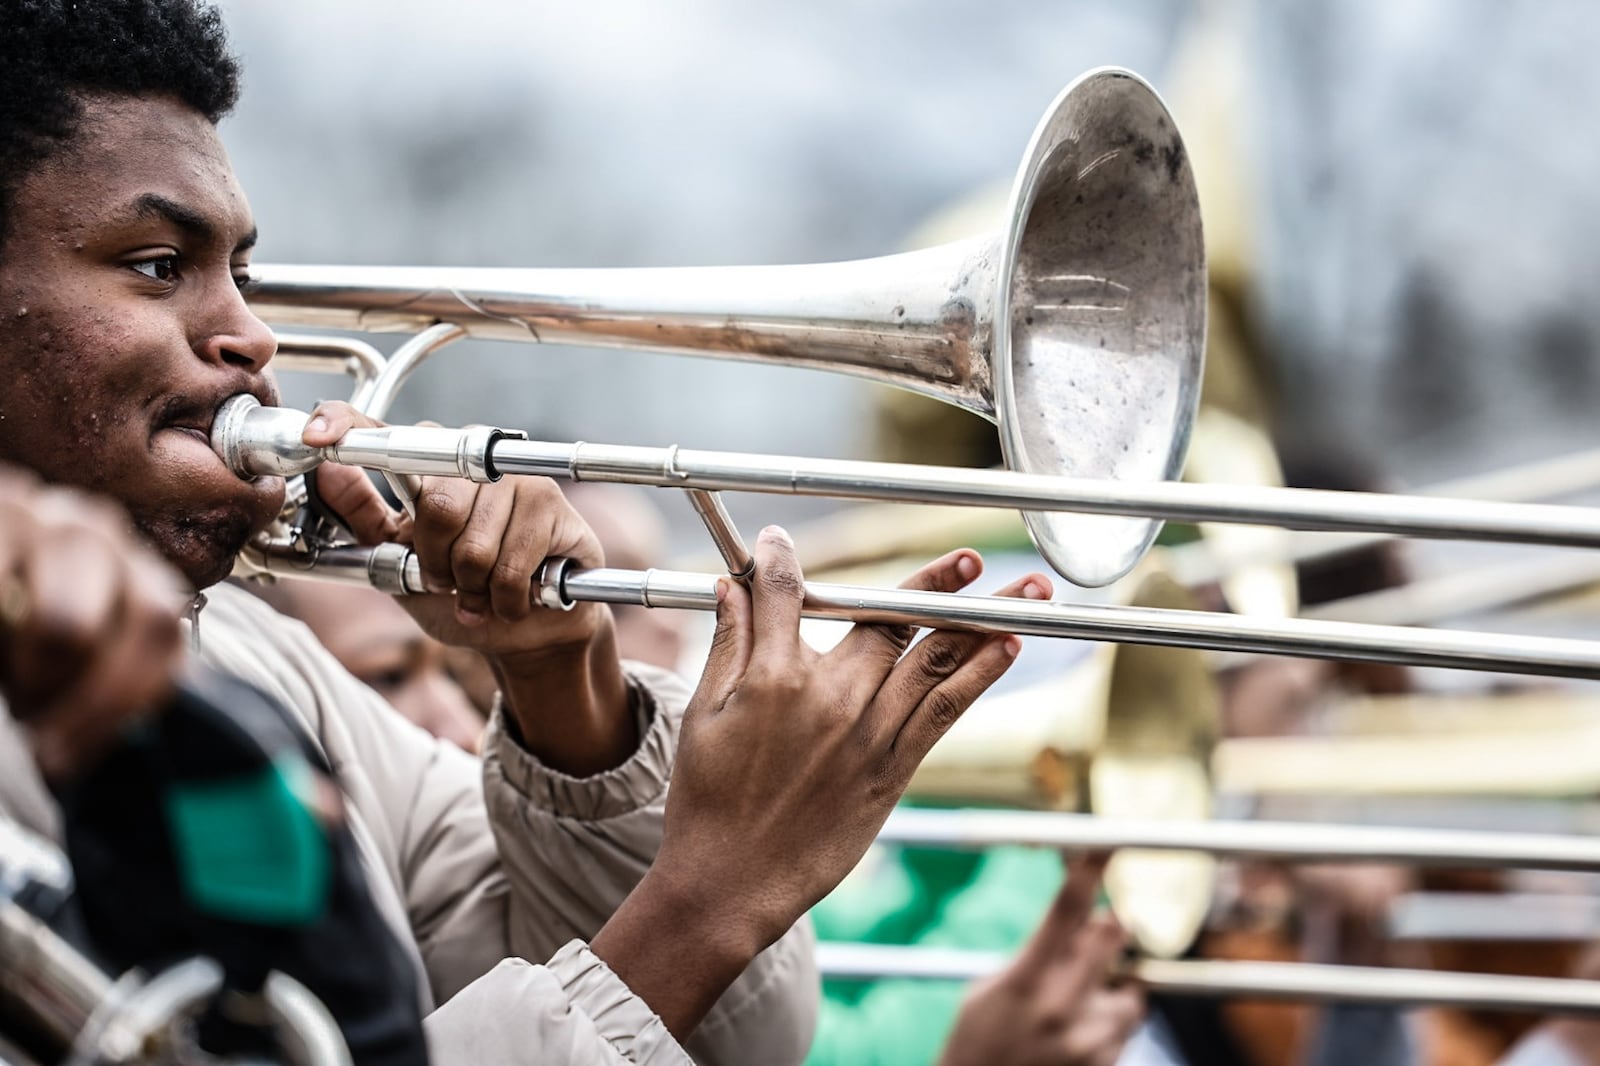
777	533
722	589
469	617
1012	646
967	567
318	424
1033	591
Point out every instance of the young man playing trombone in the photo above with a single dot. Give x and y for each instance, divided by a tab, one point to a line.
124	245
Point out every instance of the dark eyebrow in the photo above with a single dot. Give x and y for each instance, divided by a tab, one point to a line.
192	222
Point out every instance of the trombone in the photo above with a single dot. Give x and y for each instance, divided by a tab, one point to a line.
1078	329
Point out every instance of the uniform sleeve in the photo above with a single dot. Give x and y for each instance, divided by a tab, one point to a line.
573	1010
1541	1048
569	850
575	847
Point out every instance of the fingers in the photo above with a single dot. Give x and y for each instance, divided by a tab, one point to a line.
132	675
1073	903
940	677
945	703
358	503
1108	1018
331	420
1063	924
523	545
486	542
730	646
348	490
481	547
92	629
444	511
866	646
1085	961
72	583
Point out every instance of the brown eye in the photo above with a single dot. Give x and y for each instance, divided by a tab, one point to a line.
162	268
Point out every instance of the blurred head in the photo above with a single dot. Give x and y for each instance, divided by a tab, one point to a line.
372	637
124	241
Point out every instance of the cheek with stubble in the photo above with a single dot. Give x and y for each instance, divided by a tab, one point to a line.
71	407
76	409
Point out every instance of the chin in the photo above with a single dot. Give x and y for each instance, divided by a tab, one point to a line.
201	546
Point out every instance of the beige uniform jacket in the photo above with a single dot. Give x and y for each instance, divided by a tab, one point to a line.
481	865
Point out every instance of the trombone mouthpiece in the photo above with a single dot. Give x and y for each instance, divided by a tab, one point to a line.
255	441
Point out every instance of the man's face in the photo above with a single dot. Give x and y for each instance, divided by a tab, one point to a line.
122	327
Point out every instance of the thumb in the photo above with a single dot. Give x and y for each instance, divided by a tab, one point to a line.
730	646
331	420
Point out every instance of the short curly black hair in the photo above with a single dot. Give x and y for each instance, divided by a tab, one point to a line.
53	52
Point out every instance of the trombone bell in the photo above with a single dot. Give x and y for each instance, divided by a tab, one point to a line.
1079	327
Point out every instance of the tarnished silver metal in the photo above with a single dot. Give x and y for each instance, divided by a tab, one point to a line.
1079	327
43	979
393	569
255	441
321	354
724	534
1134	625
1453	649
422	451
399	367
378	400
1302	982
1284	841
410	450
550	584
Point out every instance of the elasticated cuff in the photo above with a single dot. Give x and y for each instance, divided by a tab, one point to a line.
612	1007
657	699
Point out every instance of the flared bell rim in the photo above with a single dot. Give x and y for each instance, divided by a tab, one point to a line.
1096	550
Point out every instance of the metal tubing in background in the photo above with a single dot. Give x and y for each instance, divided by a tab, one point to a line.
1303	982
1285	841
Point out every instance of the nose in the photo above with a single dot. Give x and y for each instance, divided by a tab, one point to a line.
234	336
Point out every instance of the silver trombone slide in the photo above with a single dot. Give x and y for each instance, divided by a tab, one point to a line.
1284	841
392	568
1303	982
254	440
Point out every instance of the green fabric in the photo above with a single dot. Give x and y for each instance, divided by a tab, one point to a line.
251	849
990	901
